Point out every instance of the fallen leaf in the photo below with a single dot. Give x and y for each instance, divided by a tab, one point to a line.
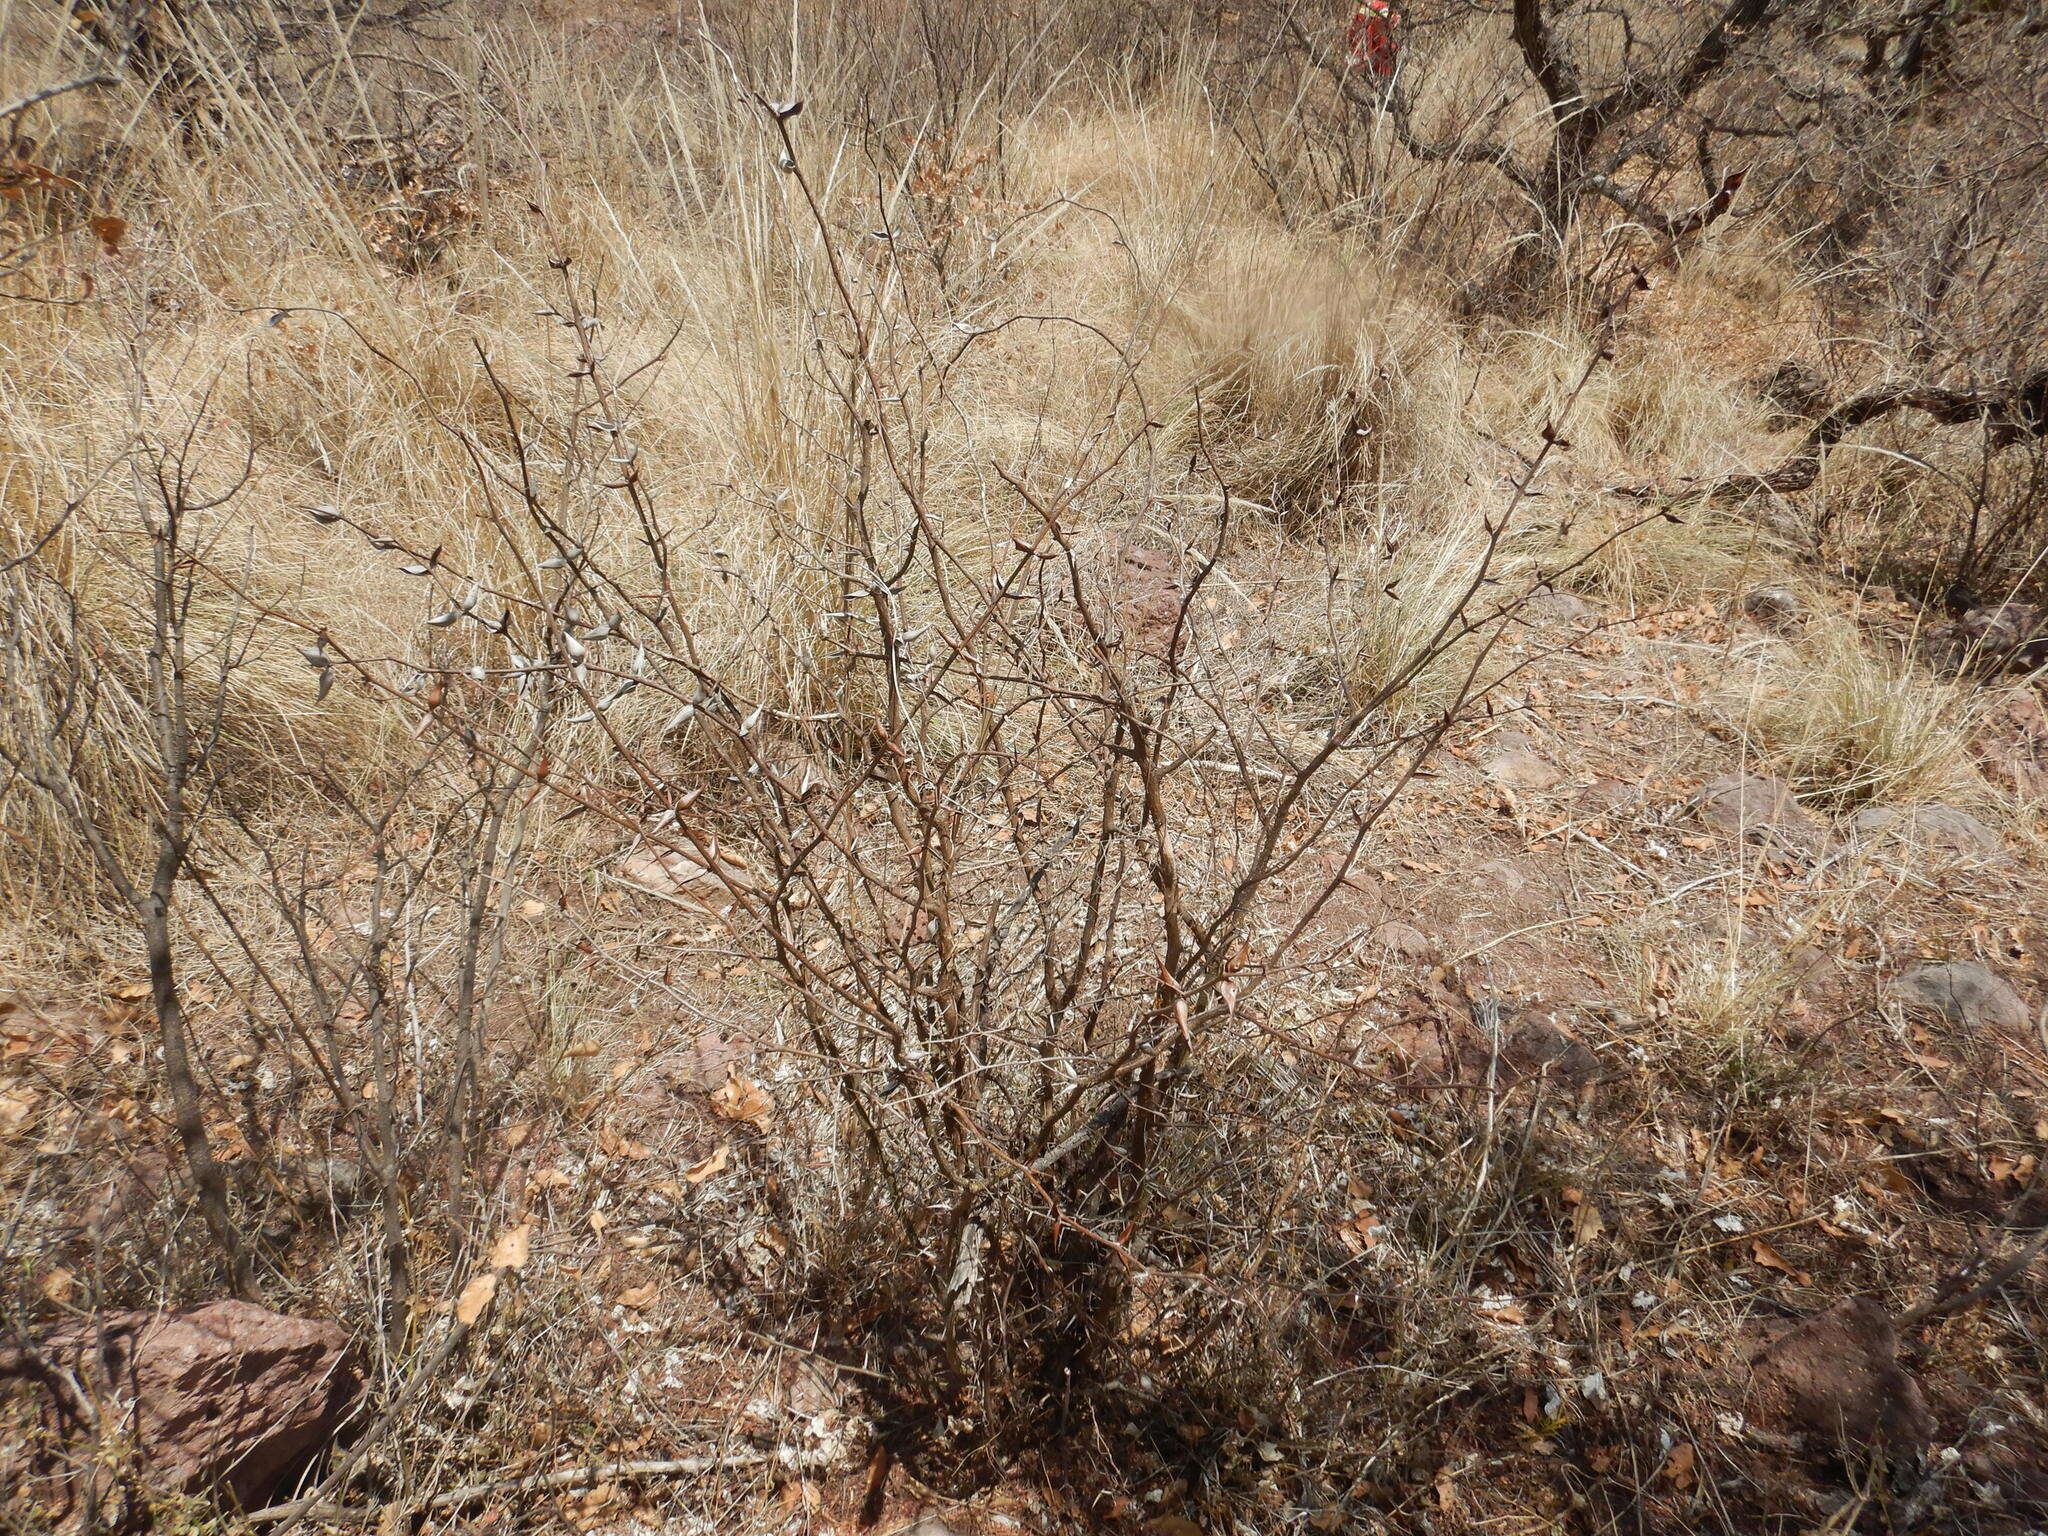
531	908
109	231
512	1247
58	1285
716	1163
1678	1464
475	1297
639	1297
17	1103
614	1145
742	1099
1587	1222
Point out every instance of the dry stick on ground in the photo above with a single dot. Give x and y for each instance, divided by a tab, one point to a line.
785	1458
2010	411
1941	1302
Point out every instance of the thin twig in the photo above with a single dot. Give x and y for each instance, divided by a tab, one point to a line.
1938	1305
786	1457
36	98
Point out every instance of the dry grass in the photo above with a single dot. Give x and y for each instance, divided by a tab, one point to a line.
1846	726
1017	306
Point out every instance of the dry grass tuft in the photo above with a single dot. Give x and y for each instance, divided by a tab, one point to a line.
1847	726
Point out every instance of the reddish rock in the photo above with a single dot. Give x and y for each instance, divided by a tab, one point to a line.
1964	992
227	1396
1534	1046
1149	594
1937	826
1758	810
1517	768
1837	1377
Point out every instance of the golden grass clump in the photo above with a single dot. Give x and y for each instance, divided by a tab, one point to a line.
1846	725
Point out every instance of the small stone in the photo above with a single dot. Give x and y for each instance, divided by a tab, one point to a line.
1524	770
1403	939
1837	1377
1930	826
1534	1046
1758	810
1794	390
2006	632
1774	607
1558	608
1964	992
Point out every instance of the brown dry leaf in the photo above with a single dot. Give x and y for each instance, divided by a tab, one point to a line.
708	886
17	1103
1767	1257
530	908
1172	1525
639	1297
612	1144
59	1285
475	1297
512	1247
109	231
581	1049
1587	1222
716	1163
1678	1464
742	1099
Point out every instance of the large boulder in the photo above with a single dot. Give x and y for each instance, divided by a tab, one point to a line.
227	1397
